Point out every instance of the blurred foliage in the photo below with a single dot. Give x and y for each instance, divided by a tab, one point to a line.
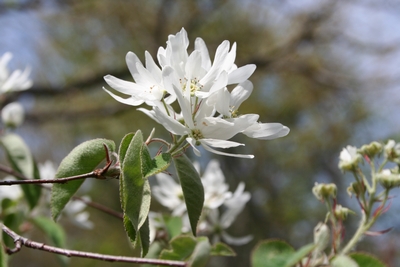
301	81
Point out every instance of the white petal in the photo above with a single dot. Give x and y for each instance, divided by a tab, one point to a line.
206	147
266	131
172	125
128	101
128	88
236	241
200	45
241	74
240	93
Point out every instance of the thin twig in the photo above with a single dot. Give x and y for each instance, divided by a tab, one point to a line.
89	203
22	241
50	181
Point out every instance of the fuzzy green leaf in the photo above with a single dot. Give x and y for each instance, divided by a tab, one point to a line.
271	253
193	191
22	161
201	253
366	260
83	159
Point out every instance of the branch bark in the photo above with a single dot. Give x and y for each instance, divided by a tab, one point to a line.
20	241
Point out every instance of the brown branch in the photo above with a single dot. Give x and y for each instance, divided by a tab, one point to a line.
20	241
89	203
50	181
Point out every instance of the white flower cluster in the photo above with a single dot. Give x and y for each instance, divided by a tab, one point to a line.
208	114
12	114
216	196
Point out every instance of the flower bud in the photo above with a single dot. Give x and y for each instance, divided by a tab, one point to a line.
324	191
13	115
389	178
349	158
341	212
371	149
392	151
355	188
321	236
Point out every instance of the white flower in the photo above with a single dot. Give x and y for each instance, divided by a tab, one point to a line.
169	194
208	113
16	81
13	114
220	223
349	158
74	210
216	191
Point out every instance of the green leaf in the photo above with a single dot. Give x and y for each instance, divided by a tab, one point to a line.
343	261
195	251
83	159
271	253
144	234
54	232
154	252
221	249
173	225
299	255
192	188
22	161
153	166
135	198
366	260
181	248
135	194
201	253
3	254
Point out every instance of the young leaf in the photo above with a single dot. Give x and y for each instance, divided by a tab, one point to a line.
195	251
344	261
201	253
271	253
153	166
81	160
22	161
221	249
192	188
366	260
299	255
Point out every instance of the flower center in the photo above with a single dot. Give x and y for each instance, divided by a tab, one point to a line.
194	85
196	134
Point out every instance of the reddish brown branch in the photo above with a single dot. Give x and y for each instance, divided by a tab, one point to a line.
22	241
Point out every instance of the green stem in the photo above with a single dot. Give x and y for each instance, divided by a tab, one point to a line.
177	145
365	225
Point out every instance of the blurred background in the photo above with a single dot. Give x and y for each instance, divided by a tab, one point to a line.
329	70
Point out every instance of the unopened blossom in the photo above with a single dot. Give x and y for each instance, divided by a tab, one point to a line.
392	151
12	115
349	158
15	81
